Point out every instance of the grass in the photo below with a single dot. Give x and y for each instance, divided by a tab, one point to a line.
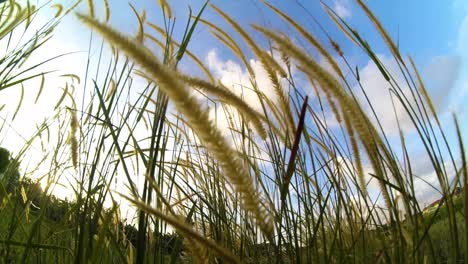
281	185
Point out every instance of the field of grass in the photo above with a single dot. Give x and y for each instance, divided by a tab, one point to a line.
305	177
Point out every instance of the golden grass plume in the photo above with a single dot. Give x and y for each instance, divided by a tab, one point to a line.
197	117
270	66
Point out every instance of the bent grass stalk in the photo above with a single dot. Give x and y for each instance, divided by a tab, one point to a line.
228	97
269	65
323	212
197	118
363	126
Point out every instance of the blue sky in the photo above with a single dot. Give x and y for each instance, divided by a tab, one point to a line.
430	31
433	32
423	29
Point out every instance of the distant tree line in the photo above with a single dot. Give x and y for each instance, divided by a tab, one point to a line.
9	170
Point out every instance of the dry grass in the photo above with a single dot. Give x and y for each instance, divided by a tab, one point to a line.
297	188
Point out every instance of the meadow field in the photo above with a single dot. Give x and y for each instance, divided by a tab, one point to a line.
151	156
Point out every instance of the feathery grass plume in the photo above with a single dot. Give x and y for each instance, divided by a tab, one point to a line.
185	230
91	8
192	56
423	90
228	97
266	61
9	7
286	60
200	254
328	96
169	49
106	10
235	49
357	155
112	89
388	40
327	82
12	19
334	17
337	48
71	8
165	7
11	10
229	42
274	64
72	137
198	118
141	21
334	108
276	112
365	129
59	9
199	251
309	38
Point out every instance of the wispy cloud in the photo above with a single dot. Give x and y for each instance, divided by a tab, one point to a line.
342	8
442	74
460	92
387	108
235	77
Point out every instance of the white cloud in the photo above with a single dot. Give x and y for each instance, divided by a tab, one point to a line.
349	168
426	182
441	76
236	78
71	38
378	92
427	185
342	8
460	93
